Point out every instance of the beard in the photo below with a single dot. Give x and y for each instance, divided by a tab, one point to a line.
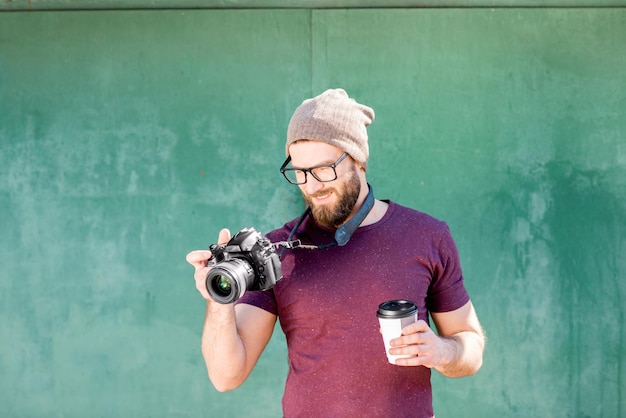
347	195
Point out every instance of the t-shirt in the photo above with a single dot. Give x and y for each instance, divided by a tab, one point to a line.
326	303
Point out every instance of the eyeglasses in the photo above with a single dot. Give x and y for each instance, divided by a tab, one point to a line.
322	173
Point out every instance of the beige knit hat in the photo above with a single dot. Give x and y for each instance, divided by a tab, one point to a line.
336	119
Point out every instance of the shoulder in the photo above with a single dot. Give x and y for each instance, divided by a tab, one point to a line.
414	218
412	227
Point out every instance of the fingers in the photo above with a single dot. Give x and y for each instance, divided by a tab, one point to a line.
419	342
199	260
416	327
413	334
223	237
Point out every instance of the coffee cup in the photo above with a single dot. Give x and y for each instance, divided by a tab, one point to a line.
394	315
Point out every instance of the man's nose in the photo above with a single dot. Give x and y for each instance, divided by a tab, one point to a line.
312	184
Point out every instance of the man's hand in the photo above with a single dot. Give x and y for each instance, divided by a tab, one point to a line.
199	260
456	352
419	341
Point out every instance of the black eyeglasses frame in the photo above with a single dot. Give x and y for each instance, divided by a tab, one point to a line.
334	165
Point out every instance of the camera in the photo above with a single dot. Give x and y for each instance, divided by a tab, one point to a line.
247	262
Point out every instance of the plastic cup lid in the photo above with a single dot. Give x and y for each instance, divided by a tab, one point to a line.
396	309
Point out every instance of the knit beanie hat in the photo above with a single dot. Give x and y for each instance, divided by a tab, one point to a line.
333	118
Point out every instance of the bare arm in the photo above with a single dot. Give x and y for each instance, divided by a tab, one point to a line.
234	336
456	352
233	339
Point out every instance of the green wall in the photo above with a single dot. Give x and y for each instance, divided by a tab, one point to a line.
128	138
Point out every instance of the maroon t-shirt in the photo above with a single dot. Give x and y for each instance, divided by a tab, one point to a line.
327	301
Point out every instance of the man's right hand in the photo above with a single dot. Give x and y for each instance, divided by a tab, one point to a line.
199	260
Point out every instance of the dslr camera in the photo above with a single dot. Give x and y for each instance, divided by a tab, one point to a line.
247	262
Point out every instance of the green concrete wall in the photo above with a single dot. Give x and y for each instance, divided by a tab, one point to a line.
128	138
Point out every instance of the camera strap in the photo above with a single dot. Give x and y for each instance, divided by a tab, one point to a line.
342	234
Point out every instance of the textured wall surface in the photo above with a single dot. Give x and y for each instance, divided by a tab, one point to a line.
128	138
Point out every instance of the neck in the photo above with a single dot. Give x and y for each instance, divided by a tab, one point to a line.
376	213
373	211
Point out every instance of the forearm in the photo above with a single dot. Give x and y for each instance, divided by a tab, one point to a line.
222	348
462	354
234	335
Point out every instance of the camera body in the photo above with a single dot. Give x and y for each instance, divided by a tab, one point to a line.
247	262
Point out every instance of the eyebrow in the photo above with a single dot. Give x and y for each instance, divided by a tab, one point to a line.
323	163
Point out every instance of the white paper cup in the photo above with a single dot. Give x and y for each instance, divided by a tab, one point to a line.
394	315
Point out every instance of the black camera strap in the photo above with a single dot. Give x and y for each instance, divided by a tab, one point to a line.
342	234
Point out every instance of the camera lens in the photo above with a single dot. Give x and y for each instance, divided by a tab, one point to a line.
229	280
223	284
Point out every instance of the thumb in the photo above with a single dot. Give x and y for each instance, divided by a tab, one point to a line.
223	237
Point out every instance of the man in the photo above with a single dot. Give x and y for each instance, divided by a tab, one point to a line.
328	296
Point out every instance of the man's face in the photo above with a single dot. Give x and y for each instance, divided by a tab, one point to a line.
331	202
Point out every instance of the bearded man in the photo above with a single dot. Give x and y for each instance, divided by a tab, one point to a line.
359	252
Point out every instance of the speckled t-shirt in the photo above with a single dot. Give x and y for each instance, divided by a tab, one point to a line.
326	303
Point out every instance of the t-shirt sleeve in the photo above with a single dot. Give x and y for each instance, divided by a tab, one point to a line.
263	299
447	290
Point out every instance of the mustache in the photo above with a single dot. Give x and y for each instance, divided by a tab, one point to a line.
322	193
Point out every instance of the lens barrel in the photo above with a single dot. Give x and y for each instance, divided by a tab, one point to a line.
229	280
